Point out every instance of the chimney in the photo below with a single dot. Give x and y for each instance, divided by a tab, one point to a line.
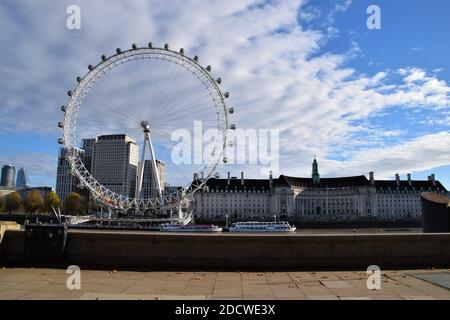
228	180
242	177
397	179
371	178
433	179
409	179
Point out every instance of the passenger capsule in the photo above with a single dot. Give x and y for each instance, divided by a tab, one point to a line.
134	46
196	58
69	93
60	124
182	51
118	51
104	58
60	141
219	80
150	45
166	46
63	108
231	110
90	67
225	160
227	94
78	79
208	68
232	126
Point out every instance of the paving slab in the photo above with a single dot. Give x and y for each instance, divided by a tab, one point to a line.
227	292
336	284
46	283
323	297
440	279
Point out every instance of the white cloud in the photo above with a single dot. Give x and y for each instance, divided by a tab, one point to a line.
425	152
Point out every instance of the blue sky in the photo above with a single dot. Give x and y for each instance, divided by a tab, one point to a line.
361	100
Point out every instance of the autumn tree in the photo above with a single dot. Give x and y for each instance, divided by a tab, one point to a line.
13	202
51	200
74	204
34	202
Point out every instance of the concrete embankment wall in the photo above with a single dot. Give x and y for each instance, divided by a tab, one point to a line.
242	252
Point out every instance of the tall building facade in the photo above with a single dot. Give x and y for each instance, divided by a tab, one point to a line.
148	188
66	183
8	176
22	179
114	163
315	198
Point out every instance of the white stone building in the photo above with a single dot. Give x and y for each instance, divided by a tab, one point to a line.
314	199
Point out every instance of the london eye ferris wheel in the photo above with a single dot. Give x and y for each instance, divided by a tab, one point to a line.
145	93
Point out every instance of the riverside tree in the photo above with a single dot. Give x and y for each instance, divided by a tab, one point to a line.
13	202
74	204
34	202
51	200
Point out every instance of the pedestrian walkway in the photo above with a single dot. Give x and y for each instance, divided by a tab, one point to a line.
36	283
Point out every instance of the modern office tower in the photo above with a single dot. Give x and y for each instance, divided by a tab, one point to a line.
65	181
8	176
88	146
22	179
114	163
148	187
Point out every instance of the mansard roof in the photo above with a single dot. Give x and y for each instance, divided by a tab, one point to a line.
341	182
416	185
235	184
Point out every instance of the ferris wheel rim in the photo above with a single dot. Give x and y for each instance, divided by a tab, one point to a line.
83	86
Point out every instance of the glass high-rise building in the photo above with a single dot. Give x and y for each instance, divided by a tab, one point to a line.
8	176
148	186
65	181
22	179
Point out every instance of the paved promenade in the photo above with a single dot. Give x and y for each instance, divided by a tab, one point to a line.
31	283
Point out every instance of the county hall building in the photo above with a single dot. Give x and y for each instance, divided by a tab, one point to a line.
314	198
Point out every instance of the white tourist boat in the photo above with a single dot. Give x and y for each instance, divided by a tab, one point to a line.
176	227
251	226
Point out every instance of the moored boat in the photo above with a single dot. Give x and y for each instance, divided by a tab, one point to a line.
172	227
253	226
